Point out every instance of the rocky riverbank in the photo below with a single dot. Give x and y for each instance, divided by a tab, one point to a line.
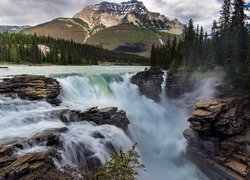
31	87
219	138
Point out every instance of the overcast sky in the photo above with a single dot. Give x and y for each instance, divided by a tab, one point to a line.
32	12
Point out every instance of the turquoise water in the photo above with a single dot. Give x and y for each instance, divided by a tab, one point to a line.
156	127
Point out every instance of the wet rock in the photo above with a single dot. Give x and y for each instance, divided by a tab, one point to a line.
15	167
149	83
102	116
49	137
111	116
98	135
219	138
32	87
68	116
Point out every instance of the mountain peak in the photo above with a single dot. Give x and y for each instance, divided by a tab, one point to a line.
122	8
108	14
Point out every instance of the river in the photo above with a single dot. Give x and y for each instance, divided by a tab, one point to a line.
156	127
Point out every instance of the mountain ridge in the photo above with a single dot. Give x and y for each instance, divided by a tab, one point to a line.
111	14
127	27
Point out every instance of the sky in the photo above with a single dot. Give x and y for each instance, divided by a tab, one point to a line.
33	12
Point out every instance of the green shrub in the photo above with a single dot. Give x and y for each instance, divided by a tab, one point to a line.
121	166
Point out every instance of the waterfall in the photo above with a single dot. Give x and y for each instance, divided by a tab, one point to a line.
156	127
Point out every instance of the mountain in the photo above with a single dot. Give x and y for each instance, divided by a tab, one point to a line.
127	27
108	14
11	29
62	28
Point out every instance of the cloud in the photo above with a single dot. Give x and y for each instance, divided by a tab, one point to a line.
202	12
37	11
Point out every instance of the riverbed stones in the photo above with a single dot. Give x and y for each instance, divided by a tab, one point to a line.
149	83
32	87
219	138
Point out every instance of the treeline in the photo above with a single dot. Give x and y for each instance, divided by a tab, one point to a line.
227	46
21	48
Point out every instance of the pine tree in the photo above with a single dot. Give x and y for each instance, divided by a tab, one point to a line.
225	21
239	36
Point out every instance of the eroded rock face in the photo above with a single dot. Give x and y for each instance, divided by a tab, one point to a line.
32	87
102	116
149	83
219	138
219	118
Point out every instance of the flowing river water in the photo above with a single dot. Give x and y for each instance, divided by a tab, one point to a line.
156	127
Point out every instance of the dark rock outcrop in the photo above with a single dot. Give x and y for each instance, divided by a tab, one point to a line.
32	87
177	85
149	83
102	116
219	138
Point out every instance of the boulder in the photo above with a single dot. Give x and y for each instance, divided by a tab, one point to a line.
102	116
149	83
219	138
32	87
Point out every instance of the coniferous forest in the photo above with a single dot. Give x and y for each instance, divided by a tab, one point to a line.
227	45
33	49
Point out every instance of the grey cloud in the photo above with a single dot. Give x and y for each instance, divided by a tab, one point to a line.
38	11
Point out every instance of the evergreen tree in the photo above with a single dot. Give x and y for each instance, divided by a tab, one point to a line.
224	44
239	35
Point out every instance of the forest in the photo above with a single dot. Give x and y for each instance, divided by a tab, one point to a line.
227	46
32	49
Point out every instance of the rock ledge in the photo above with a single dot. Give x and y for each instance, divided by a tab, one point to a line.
32	87
219	138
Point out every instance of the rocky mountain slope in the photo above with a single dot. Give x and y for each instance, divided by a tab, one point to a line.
120	27
11	29
108	14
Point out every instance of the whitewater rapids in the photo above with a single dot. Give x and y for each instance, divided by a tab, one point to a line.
156	127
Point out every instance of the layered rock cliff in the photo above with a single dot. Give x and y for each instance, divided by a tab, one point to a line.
219	138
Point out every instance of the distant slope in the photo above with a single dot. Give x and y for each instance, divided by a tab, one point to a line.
61	28
128	38
12	29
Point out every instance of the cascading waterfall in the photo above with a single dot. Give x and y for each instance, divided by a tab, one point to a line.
156	127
